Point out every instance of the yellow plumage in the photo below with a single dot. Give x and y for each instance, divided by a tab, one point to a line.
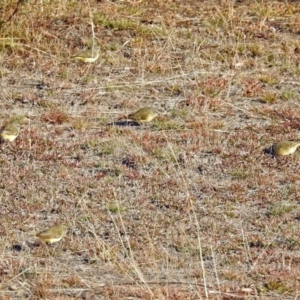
10	131
143	115
284	148
89	55
53	234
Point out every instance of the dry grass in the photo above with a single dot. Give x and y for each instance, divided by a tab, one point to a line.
186	207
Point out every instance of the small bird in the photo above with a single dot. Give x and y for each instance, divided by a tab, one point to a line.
89	55
283	148
53	234
10	131
143	115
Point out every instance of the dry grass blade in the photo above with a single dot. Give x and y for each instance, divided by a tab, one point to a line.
186	206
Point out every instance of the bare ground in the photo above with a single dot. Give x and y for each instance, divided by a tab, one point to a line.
187	207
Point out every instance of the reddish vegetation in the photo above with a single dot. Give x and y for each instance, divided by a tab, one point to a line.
185	207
